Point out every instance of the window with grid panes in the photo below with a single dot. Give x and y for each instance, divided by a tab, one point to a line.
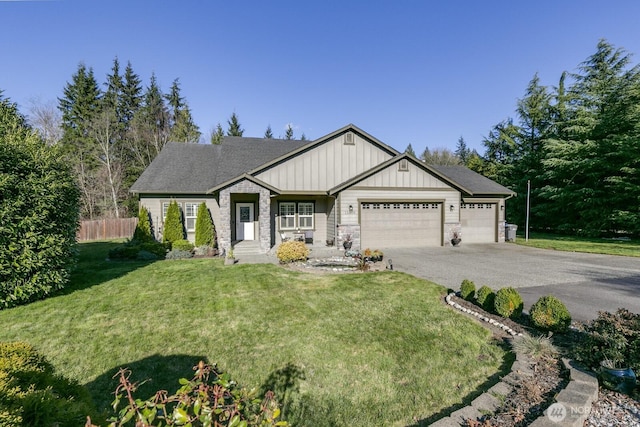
287	215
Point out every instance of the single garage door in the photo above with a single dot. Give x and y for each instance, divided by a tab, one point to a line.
478	222
400	224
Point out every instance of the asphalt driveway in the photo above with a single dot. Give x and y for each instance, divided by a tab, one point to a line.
586	283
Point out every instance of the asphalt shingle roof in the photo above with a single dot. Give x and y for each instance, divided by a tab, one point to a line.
195	168
471	181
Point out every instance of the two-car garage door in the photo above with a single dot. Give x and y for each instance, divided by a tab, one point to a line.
400	224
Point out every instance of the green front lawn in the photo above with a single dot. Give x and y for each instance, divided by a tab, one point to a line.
375	349
582	244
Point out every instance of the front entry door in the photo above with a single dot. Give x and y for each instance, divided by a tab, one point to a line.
244	221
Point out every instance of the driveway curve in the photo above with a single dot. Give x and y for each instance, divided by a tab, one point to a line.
586	283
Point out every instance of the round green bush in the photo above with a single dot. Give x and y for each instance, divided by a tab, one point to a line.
182	245
468	290
508	303
486	298
550	314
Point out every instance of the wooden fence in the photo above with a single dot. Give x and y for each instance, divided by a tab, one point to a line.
104	229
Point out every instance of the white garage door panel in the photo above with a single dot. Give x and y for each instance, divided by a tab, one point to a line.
404	224
478	222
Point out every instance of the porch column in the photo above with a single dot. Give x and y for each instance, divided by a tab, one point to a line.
264	217
223	229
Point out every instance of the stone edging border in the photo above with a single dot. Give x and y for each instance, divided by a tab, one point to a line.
572	405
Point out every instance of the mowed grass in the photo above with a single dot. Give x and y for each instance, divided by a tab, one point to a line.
375	349
582	244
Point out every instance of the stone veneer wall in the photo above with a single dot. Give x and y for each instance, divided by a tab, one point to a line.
352	230
263	211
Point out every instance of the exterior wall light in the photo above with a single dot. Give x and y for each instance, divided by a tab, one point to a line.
451	208
350	208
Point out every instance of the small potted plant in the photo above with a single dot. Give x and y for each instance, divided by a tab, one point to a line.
455	240
229	259
347	242
377	255
367	255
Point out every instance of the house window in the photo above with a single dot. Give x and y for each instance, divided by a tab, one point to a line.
287	215
190	213
305	215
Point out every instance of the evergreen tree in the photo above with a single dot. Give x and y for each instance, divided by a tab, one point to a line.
205	231
173	227
183	128
409	150
462	152
143	231
289	132
303	137
131	95
79	105
441	156
590	167
150	126
113	95
268	134
234	126
217	135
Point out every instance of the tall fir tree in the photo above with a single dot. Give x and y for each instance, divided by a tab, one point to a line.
217	135
289	132
234	128
80	103
268	134
409	150
462	151
80	106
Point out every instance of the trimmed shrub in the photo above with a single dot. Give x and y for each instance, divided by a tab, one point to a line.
486	298
292	251
143	231
179	254
173	227
135	250
550	314
32	394
468	290
39	211
205	231
614	337
182	245
508	303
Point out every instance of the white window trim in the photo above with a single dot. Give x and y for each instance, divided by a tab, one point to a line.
282	217
300	216
296	216
187	217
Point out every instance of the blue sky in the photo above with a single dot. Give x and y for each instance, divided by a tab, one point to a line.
418	72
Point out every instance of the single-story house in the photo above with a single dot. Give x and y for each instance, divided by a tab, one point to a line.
346	185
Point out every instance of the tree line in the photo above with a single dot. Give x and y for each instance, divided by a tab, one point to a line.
577	145
111	132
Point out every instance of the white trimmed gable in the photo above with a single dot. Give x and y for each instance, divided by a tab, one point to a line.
403	174
327	164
